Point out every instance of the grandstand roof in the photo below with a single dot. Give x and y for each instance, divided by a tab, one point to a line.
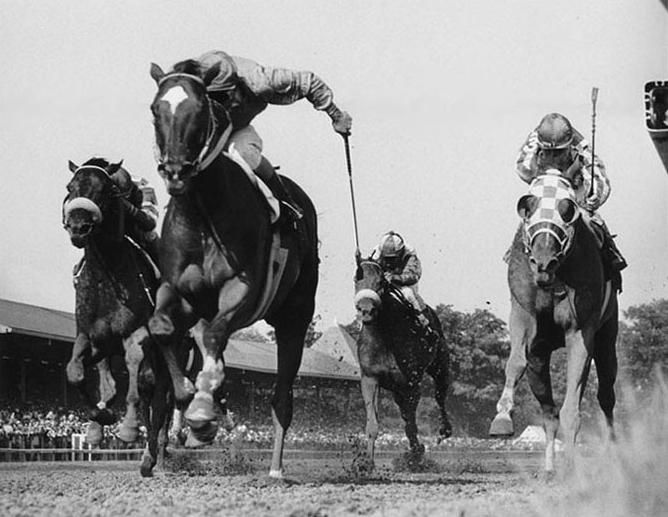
31	320
22	318
336	342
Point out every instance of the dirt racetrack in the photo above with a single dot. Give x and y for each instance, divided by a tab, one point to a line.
471	483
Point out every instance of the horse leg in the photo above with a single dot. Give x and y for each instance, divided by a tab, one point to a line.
439	371
370	390
162	326
540	382
290	333
211	340
154	388
605	359
408	403
579	360
134	354
101	415
75	366
522	327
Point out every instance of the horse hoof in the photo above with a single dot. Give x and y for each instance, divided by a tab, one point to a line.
201	436
146	468
160	325
94	433
75	372
199	413
501	426
205	434
128	433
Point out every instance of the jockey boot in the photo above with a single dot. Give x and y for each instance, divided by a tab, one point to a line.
290	210
617	261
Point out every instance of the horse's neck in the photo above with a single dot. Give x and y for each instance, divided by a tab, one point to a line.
584	252
107	252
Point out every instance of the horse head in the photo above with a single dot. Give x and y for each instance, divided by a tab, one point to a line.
548	212
184	122
90	195
369	287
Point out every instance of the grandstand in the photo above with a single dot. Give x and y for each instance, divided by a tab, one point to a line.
35	345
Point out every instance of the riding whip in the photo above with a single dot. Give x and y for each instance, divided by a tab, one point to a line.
352	195
594	97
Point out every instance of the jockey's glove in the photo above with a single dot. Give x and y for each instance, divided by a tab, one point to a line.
342	123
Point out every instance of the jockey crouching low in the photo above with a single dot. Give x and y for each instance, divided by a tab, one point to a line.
402	268
556	144
142	211
244	88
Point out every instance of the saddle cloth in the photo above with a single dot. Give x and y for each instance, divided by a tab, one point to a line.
272	202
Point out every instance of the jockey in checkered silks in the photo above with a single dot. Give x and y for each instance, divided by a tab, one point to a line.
402	268
556	144
245	88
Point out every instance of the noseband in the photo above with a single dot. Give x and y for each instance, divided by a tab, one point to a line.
86	203
215	137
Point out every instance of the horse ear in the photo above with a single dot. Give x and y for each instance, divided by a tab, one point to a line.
157	73
567	210
113	167
526	205
73	166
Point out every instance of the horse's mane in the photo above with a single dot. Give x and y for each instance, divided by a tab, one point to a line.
188	66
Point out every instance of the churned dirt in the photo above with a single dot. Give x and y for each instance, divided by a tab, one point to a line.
460	483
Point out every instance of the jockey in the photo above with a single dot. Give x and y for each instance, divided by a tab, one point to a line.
245	88
556	144
140	206
401	267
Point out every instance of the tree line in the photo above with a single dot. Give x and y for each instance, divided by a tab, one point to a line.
479	346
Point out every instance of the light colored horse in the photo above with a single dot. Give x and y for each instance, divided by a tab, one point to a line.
559	297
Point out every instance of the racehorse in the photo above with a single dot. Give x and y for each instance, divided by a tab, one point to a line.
394	353
222	268
115	285
559	297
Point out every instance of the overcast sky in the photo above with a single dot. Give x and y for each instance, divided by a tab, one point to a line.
442	95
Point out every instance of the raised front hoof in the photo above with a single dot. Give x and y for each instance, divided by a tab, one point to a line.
160	325
94	434
502	426
200	412
146	468
128	433
75	372
202	436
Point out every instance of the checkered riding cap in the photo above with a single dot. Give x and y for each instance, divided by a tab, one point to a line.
554	132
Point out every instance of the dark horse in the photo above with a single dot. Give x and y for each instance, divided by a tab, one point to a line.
217	240
115	285
394	353
559	297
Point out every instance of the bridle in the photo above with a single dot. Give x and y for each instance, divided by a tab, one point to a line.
549	190
215	137
97	209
